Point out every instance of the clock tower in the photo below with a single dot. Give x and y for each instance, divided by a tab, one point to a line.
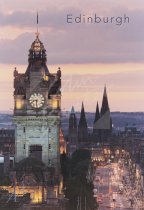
37	105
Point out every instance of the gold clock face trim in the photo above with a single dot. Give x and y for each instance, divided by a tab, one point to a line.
36	100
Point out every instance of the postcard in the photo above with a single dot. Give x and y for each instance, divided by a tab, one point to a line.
71	104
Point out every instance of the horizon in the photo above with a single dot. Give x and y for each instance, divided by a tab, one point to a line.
67	111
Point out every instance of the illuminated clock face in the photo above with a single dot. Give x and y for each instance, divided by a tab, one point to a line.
36	100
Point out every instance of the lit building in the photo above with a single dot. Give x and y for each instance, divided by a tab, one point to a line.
37	105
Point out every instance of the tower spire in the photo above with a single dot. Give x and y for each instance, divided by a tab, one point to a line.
105	105
37	21
72	110
82	127
97	113
82	117
105	92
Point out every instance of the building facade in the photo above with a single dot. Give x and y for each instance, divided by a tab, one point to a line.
37	105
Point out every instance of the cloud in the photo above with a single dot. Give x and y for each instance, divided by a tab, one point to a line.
50	17
75	43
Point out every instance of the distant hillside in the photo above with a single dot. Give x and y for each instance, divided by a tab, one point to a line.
120	119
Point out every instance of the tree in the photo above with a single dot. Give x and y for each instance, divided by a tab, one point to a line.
78	189
65	167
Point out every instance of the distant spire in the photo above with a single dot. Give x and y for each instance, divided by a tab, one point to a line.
37	32
105	106
82	105
82	121
82	127
105	93
97	114
72	132
37	17
72	122
72	110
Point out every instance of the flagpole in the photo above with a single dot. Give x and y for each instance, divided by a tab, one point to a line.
37	23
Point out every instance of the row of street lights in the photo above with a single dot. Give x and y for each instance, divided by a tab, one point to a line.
133	185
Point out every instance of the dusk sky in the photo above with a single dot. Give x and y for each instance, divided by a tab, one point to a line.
90	54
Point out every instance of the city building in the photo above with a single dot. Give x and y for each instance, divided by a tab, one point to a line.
37	105
131	130
7	141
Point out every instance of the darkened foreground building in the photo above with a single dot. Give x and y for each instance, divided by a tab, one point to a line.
7	151
7	141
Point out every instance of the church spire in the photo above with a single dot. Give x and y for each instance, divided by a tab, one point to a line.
37	22
72	110
82	127
105	105
97	114
72	132
72	119
83	121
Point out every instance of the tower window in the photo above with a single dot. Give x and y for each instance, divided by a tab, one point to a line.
24	129
24	146
49	146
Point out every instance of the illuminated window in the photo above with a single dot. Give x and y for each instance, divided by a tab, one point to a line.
19	104
54	103
46	78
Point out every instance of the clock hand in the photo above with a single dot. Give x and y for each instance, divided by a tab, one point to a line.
36	103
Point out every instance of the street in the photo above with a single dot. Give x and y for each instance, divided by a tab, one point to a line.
109	190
